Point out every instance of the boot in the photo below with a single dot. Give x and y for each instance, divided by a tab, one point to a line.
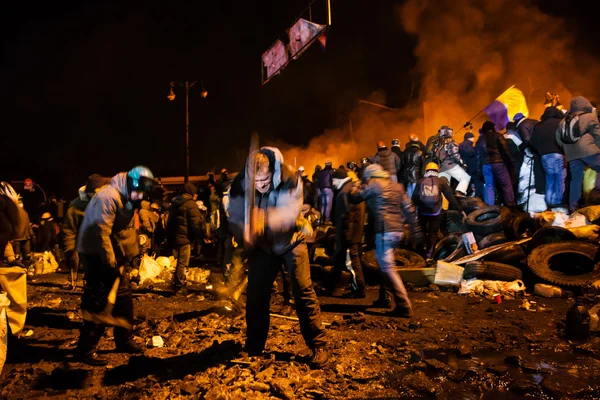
92	359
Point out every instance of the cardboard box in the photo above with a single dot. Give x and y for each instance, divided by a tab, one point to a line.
469	242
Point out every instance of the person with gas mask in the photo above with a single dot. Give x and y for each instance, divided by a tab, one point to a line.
108	242
273	235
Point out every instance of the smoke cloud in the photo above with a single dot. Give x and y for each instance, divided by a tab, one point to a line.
468	52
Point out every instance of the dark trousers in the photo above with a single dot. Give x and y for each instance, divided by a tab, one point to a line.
502	178
262	270
430	224
182	254
22	248
99	279
341	246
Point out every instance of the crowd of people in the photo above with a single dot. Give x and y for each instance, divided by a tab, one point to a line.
261	220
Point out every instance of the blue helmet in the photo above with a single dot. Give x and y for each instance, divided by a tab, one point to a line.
140	178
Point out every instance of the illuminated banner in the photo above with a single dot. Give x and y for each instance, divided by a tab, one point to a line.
275	58
302	34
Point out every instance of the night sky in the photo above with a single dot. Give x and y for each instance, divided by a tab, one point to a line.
85	83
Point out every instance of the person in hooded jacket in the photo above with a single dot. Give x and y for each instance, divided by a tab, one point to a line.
427	198
499	166
389	160
73	219
585	151
525	129
107	242
184	226
349	219
387	201
325	192
543	142
275	238
447	153
413	166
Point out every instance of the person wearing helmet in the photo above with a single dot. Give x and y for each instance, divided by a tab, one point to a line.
47	233
413	166
388	160
414	139
73	219
427	197
390	207
447	154
396	149
107	242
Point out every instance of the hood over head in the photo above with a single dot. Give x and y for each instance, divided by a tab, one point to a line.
580	104
145	205
275	163
119	182
375	171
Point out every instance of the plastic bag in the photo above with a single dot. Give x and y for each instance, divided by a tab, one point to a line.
491	288
4	303
448	273
149	269
13	281
576	220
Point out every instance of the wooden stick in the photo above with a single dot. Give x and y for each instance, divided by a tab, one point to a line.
293	318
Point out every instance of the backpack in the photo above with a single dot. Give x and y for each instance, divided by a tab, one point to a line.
430	193
570	132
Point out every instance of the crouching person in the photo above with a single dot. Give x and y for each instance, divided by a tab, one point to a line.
108	242
277	239
390	206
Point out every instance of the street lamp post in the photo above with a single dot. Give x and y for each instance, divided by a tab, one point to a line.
171	96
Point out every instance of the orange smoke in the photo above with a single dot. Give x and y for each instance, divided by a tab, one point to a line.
468	53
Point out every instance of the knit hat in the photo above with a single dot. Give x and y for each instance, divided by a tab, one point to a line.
518	116
340	173
469	135
190	188
488	126
95	182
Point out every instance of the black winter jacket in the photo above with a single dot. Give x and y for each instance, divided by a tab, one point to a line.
185	221
543	138
388	203
323	178
497	149
388	160
469	156
413	163
525	129
349	216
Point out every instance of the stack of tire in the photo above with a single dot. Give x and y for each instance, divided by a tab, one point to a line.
557	257
493	226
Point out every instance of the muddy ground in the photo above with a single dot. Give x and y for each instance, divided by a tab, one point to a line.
455	347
